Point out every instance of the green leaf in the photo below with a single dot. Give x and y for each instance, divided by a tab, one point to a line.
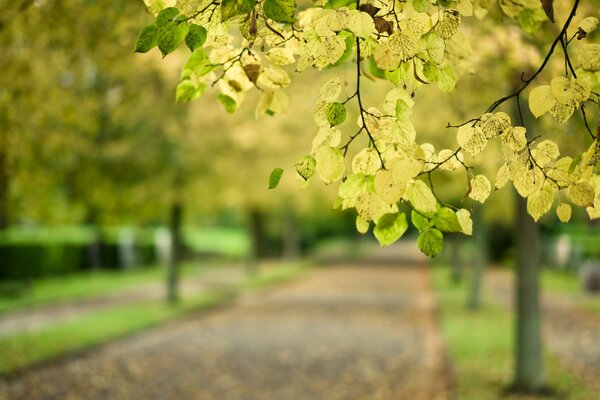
431	242
275	177
349	40
335	113
373	70
446	220
147	39
306	167
339	3
354	185
198	64
390	227
170	37
187	91
167	16
228	103
421	5
280	10
421	222
403	110
421	197
446	79
195	37
233	8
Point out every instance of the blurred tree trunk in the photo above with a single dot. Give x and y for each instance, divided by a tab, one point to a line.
529	374
175	225
4	181
94	250
479	259
257	239
291	236
455	259
529	369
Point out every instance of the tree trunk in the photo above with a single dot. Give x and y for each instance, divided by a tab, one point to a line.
257	239
479	259
175	221
291	237
529	375
455	259
3	182
529	368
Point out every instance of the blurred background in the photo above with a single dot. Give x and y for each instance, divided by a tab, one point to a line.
116	201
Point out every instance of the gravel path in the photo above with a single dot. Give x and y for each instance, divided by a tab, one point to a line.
359	332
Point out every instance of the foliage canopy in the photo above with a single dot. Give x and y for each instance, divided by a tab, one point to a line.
244	45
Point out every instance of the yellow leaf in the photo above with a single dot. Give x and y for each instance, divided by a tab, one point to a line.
563	211
330	164
540	202
398	48
471	139
366	162
582	194
502	176
588	56
541	100
448	23
419	23
405	169
281	56
362	225
361	24
452	162
589	24
465	8
328	137
562	112
480	188
272	78
493	125
370	206
514	138
421	197
545	152
527	179
465	221
388	187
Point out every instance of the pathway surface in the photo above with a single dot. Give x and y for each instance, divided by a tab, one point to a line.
570	331
360	332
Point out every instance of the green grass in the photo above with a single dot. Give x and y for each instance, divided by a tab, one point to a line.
23	350
480	348
231	242
567	283
77	287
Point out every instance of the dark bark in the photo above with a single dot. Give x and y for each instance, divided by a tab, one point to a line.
529	371
529	375
175	225
479	259
257	239
291	236
3	188
456	261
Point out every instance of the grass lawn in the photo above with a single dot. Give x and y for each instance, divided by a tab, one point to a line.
480	348
22	350
555	281
86	285
78	286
